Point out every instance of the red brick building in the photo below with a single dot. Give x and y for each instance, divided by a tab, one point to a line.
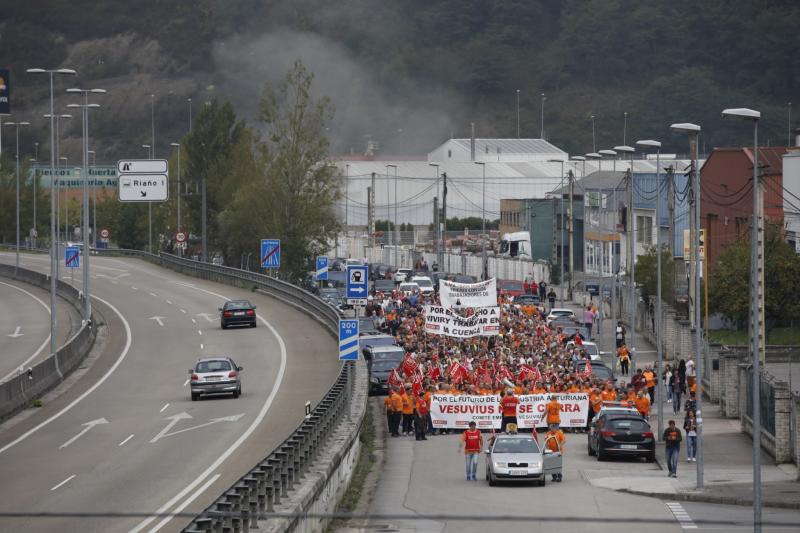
726	205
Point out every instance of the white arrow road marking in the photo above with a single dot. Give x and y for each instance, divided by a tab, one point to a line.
164	408
113	278
159	319
232	418
174	419
70	478
126	440
86	429
207	316
16	333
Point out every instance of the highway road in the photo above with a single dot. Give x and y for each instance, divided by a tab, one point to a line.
126	438
25	325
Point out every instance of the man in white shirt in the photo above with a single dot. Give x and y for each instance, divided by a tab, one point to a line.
691	372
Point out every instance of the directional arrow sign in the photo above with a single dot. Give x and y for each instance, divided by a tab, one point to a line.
16	333
180	416
357	281
86	428
322	268
143	187
207	316
158	319
174	419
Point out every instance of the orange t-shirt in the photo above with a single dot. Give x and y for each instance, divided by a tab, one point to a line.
643	405
509	405
609	395
397	402
553	410
408	404
554	440
596	401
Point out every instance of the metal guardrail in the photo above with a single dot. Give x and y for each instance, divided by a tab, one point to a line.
262	488
18	391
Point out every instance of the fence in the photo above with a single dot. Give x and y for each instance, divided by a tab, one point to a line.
17	392
767	402
322	432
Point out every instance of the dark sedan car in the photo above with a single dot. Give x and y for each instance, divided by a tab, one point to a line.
599	370
622	435
237	313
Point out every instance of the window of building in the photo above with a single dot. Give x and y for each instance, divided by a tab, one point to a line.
644	229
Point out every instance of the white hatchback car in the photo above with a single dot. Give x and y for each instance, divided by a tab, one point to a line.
425	284
560	314
402	274
408	287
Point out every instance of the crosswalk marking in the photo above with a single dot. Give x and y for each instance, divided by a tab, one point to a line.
681	515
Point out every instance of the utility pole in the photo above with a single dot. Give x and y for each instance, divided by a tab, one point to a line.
571	222
632	264
436	226
671	214
371	215
444	222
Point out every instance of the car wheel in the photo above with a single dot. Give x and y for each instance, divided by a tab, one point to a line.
543	481
195	396
589	448
491	480
237	393
600	455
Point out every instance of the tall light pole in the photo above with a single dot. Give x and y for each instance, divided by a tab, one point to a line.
583	235
389	229
541	133
518	114
694	132
346	199
66	202
178	146
87	306
34	234
189	100
53	176
594	144
485	268
659	350
756	305
53	236
625	128
438	229
149	149
561	229
16	126
631	251
396	227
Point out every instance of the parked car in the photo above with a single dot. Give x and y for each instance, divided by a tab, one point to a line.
332	296
383	285
379	271
215	375
408	287
373	341
436	277
510	287
622	435
402	274
518	457
425	284
559	314
381	360
237	313
599	370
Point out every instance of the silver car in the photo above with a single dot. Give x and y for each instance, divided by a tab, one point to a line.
518	457
215	375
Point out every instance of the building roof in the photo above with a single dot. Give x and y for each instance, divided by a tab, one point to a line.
770	159
500	150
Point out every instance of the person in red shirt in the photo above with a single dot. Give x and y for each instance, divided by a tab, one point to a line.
472	442
421	417
508	404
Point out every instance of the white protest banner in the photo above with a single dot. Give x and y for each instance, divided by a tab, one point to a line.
443	321
451	411
481	294
574	409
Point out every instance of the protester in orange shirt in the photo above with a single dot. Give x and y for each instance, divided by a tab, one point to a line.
421	418
554	441
643	404
396	411
553	411
624	357
650	382
408	411
609	394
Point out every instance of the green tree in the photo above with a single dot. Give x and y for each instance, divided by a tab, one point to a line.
292	197
647	274
729	281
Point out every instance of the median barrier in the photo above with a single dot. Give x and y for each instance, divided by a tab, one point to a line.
32	383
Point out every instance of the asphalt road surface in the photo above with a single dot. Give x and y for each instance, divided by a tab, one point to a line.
25	325
126	438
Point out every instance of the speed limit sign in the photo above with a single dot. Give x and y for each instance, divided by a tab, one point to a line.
104	233
180	236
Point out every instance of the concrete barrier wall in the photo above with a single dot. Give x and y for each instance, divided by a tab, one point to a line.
19	391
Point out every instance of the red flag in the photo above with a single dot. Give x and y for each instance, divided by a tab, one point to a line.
530	373
409	365
434	373
394	379
416	383
457	372
588	370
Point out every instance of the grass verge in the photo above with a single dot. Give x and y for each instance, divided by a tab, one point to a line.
776	336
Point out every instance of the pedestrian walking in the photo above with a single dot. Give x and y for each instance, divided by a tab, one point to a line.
672	439
551	298
472	443
421	418
624	357
691	373
690	427
554	441
667	379
650	382
395	412
588	318
677	388
619	334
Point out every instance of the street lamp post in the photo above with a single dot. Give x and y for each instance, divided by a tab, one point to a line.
518	114
66	202
16	126
583	235
94	197
438	230
756	304
87	306
389	229
53	235
694	132
485	268
541	133
632	252
659	349
149	148
178	146
561	229
53	177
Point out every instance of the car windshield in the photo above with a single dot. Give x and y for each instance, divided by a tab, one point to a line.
591	349
238	304
561	312
515	445
384	365
409	286
393	355
629	424
213	366
423	282
511	286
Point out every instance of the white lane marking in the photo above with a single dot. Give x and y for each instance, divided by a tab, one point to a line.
169	302
199	331
189	500
134	288
233	447
70	478
194	321
87	427
164	408
201	346
17	333
174	419
680	514
159	319
44	345
87	392
231	418
183	311
208	316
126	440
186	382
154	295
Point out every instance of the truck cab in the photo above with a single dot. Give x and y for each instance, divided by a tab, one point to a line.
516	244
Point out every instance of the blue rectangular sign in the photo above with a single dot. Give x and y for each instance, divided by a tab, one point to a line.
72	257
348	339
357	281
270	253
322	268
